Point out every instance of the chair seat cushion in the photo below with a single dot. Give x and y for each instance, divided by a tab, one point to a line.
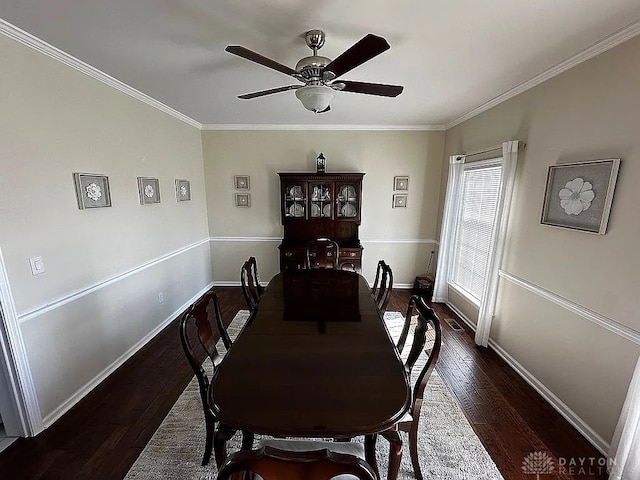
349	448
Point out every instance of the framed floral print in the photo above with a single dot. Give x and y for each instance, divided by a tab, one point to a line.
183	190
400	200
149	190
241	182
92	190
579	195
243	199
401	183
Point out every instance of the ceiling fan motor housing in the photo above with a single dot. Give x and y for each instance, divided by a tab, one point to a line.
311	68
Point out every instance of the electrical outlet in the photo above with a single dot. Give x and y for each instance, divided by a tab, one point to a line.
161	297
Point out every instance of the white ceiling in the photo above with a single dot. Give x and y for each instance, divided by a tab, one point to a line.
452	56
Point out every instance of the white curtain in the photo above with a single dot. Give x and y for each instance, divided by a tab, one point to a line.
440	284
490	293
625	446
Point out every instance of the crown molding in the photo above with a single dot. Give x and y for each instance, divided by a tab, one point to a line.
41	46
245	127
597	48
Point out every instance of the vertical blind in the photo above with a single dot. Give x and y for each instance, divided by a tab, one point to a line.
475	227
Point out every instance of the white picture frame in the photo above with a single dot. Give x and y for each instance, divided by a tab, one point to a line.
401	183
400	200
241	182
92	190
148	190
243	200
579	195
183	190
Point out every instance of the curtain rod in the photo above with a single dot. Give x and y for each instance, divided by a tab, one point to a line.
488	150
495	148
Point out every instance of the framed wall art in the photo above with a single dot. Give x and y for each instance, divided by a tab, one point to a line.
400	200
243	200
149	190
92	190
241	182
401	183
579	195
183	190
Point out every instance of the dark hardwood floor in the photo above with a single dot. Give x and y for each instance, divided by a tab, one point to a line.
102	435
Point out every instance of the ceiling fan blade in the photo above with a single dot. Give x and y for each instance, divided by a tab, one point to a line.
367	48
262	93
262	60
380	89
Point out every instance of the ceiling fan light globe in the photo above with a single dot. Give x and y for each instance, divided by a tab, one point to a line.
315	98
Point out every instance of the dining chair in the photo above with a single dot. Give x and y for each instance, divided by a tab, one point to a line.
251	288
197	335
300	460
382	285
322	253
423	356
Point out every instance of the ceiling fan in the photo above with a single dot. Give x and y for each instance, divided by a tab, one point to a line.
318	73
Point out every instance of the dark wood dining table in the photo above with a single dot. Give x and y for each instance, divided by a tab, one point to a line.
315	359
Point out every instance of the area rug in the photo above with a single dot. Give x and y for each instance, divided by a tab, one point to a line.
448	446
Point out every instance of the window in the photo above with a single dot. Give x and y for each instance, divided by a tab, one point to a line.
474	231
475	226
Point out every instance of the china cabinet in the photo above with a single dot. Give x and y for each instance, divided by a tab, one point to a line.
320	205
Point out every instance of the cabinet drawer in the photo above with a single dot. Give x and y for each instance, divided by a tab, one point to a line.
350	258
292	259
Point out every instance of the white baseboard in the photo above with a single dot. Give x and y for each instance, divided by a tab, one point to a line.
86	388
562	408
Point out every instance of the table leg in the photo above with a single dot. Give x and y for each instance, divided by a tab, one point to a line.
247	440
370	452
395	453
220	439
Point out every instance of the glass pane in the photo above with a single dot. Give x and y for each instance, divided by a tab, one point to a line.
294	201
475	228
347	201
320	201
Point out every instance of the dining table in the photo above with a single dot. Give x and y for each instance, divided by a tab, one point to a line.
313	360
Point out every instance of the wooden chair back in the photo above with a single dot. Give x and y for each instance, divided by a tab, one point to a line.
275	464
426	319
322	253
197	335
382	285
251	288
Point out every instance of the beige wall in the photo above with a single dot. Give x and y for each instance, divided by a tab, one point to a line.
589	112
56	121
381	154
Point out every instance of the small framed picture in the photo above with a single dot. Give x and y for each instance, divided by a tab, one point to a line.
92	190
401	183
400	200
149	190
243	199
183	190
579	195
241	182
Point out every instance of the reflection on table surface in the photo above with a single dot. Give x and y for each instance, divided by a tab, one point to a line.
323	295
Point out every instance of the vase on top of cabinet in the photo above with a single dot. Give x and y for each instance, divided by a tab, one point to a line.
317	205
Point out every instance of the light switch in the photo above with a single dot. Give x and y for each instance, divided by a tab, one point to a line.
37	265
